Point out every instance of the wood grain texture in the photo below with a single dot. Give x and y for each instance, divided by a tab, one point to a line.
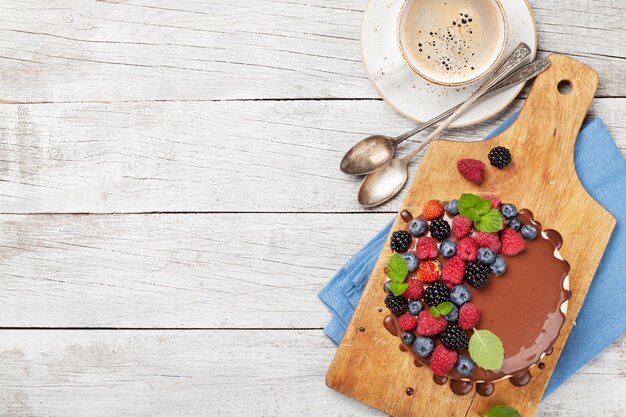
204	157
547	125
75	50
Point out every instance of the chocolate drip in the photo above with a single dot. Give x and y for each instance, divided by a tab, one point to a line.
406	216
521	379
410	391
440	380
390	325
417	363
402	348
549	351
460	387
485	389
554	237
541	365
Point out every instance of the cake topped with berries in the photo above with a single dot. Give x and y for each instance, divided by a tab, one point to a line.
477	291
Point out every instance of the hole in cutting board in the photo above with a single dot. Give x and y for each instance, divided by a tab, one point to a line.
564	87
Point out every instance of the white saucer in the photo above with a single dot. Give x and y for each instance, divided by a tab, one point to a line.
415	97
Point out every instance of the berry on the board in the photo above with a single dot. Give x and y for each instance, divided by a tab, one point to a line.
407	321
436	293
396	305
476	274
499	157
469	315
495	201
453	315
453	271
387	288
467	249
447	249
508	211
454	337
429	271
453	207
427	325
442	360
471	169
514	223
529	232
400	241
415	290
418	227
486	255
426	248
408	338
439	228
488	240
423	346
498	267
415	307
461	226
411	261
432	210
460	295
464	365
512	242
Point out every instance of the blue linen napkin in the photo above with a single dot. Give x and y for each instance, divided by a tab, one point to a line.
602	171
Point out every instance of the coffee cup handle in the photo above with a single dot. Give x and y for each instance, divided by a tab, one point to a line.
389	67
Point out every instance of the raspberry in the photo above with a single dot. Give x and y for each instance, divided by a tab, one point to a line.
407	322
427	325
469	314
396	305
467	249
436	293
453	271
488	240
429	271
432	210
426	248
415	291
476	274
499	157
495	201
461	226
454	337
440	229
512	242
400	241
442	360
471	169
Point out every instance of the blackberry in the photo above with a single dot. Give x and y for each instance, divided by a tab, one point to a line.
440	229
396	305
499	157
436	293
400	241
454	337
476	273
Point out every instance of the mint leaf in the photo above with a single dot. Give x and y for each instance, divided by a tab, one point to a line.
398	288
491	221
434	312
472	214
445	308
467	201
397	269
502	411
483	206
486	350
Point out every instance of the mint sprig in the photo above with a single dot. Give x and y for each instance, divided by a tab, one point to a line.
479	210
486	349
441	309
397	271
502	411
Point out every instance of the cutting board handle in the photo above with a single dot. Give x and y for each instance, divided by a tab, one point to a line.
557	105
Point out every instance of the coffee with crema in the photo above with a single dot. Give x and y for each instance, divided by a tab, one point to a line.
452	41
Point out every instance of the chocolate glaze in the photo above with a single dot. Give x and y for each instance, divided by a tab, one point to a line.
521	379
522	307
406	216
460	387
440	380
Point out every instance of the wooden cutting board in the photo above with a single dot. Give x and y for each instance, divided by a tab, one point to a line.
369	366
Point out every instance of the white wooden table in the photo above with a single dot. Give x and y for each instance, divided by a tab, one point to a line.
171	201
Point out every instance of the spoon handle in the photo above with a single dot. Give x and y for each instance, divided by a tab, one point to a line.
503	70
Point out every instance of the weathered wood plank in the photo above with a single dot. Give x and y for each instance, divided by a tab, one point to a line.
218	373
201	156
72	50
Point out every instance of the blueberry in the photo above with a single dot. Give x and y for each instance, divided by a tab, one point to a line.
460	295
418	227
453	207
498	266
447	248
515	223
486	255
387	288
508	211
453	315
415	307
408	338
464	365
423	346
529	232
411	261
